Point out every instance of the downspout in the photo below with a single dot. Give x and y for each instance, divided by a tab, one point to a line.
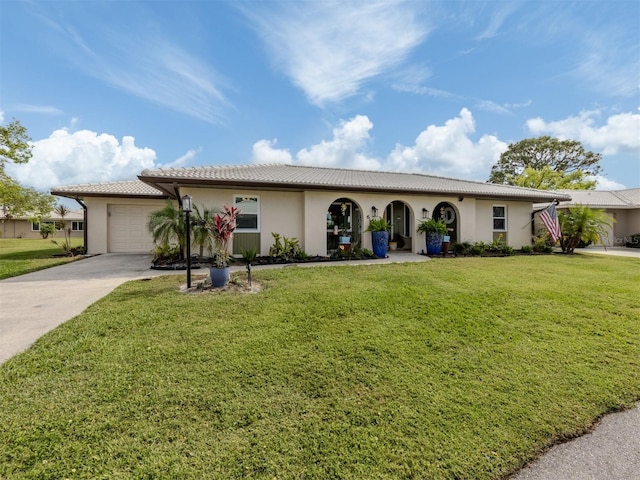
85	230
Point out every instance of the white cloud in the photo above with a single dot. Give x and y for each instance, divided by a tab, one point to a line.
182	160
349	139
329	49
264	152
82	157
147	65
448	150
43	109
443	150
603	183
620	133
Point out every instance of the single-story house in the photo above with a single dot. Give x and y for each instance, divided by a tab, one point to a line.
26	226
312	204
622	205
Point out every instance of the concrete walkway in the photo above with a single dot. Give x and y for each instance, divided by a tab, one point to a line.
35	303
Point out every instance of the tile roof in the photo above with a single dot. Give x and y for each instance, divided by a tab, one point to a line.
131	188
72	215
301	177
604	198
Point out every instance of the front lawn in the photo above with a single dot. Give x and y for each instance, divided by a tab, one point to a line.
23	255
464	368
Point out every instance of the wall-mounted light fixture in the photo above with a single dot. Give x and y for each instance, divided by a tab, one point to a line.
425	213
460	199
374	212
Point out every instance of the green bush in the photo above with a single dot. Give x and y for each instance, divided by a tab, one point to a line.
527	249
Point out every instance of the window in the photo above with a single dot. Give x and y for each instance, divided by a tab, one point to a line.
499	218
339	219
35	226
77	226
249	217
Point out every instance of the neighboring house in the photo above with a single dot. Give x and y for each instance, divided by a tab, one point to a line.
622	205
26	227
307	203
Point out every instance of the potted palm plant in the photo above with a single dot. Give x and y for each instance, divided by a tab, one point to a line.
222	227
379	229
435	231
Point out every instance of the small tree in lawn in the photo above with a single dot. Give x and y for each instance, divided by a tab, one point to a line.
168	225
222	227
62	225
581	223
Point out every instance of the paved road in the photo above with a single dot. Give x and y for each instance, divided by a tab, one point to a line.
35	303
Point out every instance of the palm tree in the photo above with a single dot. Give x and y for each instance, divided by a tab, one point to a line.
199	232
62	212
167	226
581	223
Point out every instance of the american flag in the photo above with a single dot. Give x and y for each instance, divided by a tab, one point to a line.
549	217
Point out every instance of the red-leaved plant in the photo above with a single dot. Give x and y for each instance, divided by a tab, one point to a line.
222	227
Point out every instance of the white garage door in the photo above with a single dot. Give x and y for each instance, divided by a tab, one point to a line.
127	228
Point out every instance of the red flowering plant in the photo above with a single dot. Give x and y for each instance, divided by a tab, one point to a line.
222	227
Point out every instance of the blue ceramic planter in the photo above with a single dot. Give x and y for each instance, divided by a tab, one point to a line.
380	242
434	243
219	276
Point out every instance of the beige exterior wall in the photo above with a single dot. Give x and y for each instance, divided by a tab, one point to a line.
22	229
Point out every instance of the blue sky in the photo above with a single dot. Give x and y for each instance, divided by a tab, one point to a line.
108	88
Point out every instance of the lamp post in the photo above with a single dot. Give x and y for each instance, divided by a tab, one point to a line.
186	208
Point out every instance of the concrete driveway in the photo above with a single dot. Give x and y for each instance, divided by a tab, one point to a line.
35	303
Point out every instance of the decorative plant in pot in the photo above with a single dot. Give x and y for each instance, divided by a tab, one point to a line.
435	231
344	234
379	229
222	227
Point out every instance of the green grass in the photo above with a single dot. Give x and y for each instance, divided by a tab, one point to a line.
464	368
21	255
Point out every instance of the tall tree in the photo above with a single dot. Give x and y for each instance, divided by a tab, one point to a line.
549	179
14	145
568	158
16	200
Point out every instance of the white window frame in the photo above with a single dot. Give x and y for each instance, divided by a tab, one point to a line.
494	218
33	229
257	197
74	226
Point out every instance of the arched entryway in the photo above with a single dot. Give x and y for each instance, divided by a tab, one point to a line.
344	224
449	214
398	214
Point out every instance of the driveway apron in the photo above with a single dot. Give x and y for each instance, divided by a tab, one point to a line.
35	303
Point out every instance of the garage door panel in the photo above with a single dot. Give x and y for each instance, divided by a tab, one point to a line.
127	228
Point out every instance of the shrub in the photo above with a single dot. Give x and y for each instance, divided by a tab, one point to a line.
165	254
527	249
461	248
47	229
286	248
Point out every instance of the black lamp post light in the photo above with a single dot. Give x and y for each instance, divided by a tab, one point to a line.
187	209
